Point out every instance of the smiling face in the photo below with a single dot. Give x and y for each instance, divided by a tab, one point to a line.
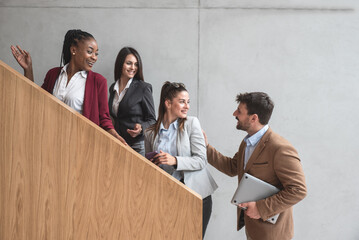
84	55
178	107
130	67
244	120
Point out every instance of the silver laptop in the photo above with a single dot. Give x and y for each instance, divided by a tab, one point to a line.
251	189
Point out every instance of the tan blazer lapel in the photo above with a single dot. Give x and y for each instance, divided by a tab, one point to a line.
241	171
261	145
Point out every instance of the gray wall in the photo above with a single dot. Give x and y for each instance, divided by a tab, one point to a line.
305	54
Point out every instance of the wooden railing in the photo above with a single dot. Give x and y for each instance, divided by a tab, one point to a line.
63	177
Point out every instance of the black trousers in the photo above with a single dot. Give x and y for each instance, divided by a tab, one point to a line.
206	215
206	211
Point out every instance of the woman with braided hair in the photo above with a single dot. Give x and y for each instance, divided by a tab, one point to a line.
73	82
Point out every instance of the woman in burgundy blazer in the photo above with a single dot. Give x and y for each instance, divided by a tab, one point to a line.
79	53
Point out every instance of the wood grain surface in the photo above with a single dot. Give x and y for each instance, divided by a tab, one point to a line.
63	177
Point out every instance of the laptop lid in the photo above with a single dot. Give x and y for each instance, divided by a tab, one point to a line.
251	189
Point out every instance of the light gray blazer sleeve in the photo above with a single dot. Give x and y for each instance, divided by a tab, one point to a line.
148	135
191	147
191	156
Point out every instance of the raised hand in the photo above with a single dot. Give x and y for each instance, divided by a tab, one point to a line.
24	59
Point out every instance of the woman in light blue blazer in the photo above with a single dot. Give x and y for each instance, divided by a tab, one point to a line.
180	144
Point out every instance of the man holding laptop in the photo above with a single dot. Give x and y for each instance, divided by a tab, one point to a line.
270	158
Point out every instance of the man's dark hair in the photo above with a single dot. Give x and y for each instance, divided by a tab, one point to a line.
257	103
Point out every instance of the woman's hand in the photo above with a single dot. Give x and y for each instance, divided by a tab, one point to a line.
115	134
165	158
24	59
136	131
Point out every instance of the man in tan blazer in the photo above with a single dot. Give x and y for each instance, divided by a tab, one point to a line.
269	157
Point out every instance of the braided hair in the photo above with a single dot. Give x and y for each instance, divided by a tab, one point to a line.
72	38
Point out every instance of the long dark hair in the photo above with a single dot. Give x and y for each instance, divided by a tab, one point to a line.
121	56
72	38
168	92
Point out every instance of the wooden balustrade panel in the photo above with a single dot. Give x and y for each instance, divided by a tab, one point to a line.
63	177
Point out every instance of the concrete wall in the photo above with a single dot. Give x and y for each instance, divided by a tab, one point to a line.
305	54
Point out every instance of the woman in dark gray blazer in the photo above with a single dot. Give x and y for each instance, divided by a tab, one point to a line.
180	144
131	102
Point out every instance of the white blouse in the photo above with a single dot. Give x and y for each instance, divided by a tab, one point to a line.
119	95
73	94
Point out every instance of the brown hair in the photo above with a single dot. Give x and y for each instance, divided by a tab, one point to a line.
168	92
121	57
